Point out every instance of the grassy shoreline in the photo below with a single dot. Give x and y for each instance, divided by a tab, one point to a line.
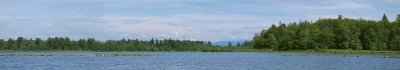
331	51
326	52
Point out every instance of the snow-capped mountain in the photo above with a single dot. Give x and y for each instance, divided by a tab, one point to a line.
173	35
177	35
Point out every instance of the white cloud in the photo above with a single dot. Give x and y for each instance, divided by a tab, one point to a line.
326	6
200	19
196	26
395	2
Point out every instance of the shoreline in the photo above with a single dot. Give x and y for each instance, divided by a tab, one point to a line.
326	52
331	51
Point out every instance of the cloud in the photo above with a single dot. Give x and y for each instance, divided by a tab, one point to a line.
329	5
144	19
341	5
394	2
196	26
193	24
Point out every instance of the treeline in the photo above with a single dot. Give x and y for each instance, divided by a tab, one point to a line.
90	44
340	33
240	45
65	43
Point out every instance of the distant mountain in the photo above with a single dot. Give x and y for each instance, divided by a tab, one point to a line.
174	35
225	43
177	35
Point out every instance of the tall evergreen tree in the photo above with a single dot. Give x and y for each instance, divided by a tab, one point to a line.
342	36
11	44
229	44
326	38
272	42
2	44
395	35
19	41
259	42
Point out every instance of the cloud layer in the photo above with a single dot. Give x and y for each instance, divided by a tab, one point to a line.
215	20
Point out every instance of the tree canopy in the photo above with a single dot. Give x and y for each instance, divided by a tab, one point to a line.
339	33
91	44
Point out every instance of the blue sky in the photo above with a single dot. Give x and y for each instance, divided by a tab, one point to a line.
210	20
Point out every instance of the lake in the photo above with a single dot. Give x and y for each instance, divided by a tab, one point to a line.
196	61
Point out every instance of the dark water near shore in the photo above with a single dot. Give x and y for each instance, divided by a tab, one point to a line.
195	61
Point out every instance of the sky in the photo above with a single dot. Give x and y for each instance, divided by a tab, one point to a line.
208	20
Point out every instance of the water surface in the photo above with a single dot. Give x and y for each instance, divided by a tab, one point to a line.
195	61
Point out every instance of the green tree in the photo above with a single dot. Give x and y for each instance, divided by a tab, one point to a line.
259	42
355	42
2	44
342	37
11	44
303	36
326	38
229	44
370	39
24	45
38	41
209	43
395	35
19	41
272	42
383	29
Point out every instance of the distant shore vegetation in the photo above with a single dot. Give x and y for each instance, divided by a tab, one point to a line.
340	33
90	44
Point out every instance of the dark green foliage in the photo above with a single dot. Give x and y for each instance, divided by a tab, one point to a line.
272	41
394	41
340	33
259	42
342	36
209	43
325	38
229	44
2	44
10	44
65	43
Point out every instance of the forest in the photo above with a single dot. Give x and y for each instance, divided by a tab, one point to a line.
90	44
332	33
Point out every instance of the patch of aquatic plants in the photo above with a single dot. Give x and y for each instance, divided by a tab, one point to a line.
119	54
42	55
339	53
95	54
238	50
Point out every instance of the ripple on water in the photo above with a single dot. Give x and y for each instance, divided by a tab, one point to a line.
197	61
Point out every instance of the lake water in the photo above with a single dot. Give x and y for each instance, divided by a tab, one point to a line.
195	61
